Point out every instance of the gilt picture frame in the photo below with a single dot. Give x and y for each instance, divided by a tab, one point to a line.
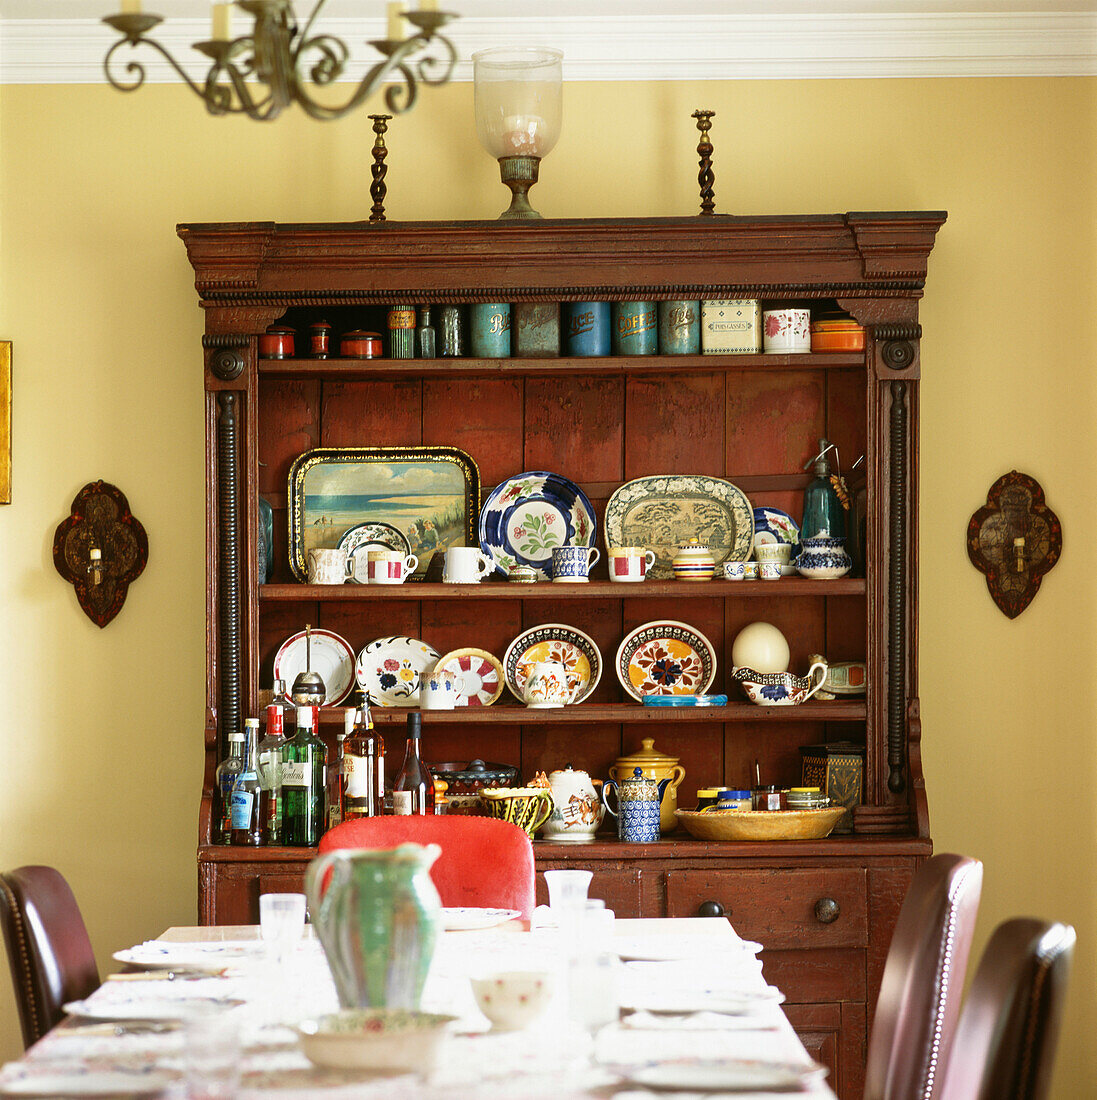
431	494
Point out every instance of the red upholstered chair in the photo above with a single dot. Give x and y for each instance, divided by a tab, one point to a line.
1009	1027
919	1000
50	954
484	862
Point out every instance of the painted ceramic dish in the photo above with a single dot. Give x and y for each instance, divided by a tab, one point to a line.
665	658
389	669
772	526
477	676
575	650
359	540
526	517
332	658
780	689
664	512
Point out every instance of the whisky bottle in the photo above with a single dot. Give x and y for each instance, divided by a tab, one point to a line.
223	779
336	767
363	767
303	760
270	772
244	809
413	787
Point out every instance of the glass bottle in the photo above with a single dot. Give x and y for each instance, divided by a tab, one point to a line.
282	699
364	767
223	779
425	343
270	771
303	760
823	514
244	809
413	787
336	806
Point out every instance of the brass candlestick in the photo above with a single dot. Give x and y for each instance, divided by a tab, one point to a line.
705	177
377	189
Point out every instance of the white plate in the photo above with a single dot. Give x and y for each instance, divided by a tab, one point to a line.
731	1075
467	919
389	669
701	1000
649	949
149	1082
144	1008
213	957
332	658
359	540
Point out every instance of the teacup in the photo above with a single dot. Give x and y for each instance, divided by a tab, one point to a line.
512	999
786	330
629	563
546	685
327	566
389	566
779	552
572	564
769	570
734	570
437	692
465	565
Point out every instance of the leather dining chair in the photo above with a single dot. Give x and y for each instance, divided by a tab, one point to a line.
484	862
919	999
1009	1027
49	951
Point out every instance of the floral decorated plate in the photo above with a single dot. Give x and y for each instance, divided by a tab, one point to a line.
665	658
115	1081
359	540
771	526
575	650
477	676
467	919
389	669
526	516
332	657
664	512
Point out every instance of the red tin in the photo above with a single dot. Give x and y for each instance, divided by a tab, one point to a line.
360	345
320	340
276	342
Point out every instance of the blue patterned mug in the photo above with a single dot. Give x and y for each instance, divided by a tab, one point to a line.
638	802
572	564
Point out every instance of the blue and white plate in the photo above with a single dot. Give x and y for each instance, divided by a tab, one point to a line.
772	526
527	516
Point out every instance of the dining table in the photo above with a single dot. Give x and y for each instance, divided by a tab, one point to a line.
694	1016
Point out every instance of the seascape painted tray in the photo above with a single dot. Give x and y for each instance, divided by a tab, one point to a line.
389	669
663	512
665	657
575	650
527	516
430	494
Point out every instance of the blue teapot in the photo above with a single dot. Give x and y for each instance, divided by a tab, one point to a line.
638	800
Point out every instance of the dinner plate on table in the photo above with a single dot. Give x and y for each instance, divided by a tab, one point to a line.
331	656
162	1010
675	1002
55	1083
724	1075
651	949
467	919
212	957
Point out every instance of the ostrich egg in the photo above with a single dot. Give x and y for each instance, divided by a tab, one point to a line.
762	647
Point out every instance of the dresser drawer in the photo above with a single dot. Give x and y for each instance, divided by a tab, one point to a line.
780	908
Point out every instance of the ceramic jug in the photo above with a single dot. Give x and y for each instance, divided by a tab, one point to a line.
577	811
377	915
638	800
823	558
655	765
546	685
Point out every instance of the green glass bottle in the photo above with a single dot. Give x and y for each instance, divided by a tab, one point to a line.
303	776
823	512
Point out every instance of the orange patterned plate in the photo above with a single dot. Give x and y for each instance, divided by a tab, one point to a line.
665	657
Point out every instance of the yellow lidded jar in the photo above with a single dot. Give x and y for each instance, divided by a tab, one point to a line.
654	765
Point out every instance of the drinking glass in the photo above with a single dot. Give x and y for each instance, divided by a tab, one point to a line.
211	1053
281	921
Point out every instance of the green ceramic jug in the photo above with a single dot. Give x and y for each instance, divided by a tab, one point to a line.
377	915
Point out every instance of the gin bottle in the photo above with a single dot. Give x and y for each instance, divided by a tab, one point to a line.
270	773
303	760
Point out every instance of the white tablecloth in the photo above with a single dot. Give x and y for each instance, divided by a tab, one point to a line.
552	1058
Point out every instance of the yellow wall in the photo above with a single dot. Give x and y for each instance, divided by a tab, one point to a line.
101	742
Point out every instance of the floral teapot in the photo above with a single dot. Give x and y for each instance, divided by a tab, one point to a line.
638	801
546	685
577	811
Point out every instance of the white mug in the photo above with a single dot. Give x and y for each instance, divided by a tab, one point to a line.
465	565
437	692
629	563
329	566
389	566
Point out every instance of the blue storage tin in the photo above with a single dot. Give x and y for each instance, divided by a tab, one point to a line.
586	326
489	330
679	328
635	328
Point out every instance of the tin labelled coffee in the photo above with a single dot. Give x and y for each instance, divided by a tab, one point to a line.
635	328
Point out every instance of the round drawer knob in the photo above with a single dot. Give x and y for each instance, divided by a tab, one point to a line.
827	910
711	909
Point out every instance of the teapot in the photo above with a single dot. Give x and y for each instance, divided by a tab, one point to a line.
377	915
655	765
546	685
577	811
638	800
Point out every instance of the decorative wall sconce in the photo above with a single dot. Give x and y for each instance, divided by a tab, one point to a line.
1014	539
100	550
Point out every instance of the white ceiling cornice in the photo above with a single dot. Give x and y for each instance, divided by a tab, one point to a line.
653	46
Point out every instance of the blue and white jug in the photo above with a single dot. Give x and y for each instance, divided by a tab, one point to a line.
638	801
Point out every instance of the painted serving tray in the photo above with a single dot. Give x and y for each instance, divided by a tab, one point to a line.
389	669
332	658
575	650
662	513
771	526
526	516
364	537
431	494
665	657
477	676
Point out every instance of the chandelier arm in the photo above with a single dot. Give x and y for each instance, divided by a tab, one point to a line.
427	63
219	97
329	66
137	69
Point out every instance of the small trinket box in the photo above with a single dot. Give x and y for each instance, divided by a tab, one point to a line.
731	326
320	340
276	342
837	769
358	344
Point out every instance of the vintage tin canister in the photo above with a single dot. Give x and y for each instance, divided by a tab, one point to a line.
452	335
489	330
731	326
679	328
402	332
635	328
276	342
535	330
586	328
837	769
359	344
320	340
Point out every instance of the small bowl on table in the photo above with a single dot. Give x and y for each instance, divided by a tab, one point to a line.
512	1000
381	1040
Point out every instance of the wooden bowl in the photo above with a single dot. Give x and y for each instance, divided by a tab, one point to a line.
761	824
